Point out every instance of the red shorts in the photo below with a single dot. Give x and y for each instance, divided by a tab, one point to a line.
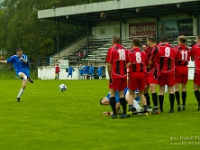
197	79
181	74
137	81
118	84
150	79
166	79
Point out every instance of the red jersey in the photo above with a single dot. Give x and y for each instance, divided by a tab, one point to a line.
195	53
153	55
138	60
57	69
117	56
167	58
182	55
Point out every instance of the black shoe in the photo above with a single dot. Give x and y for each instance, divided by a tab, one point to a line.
29	79
18	99
161	110
179	108
183	107
171	111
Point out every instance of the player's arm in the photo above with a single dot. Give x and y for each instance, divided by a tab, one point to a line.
25	60
3	61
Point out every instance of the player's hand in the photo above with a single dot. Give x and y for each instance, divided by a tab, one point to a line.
21	58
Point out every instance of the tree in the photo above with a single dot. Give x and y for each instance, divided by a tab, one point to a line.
20	27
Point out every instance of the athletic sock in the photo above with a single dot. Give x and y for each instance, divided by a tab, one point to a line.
184	95
130	107
197	94
177	97
148	99
171	99
161	99
123	103
20	93
155	99
113	105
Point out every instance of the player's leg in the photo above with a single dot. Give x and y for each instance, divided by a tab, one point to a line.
184	95
146	94
113	102
197	95
122	84
141	87
130	100
143	100
154	96
161	97
24	82
171	83
171	98
123	103
177	94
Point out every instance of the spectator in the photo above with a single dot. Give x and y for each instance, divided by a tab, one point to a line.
57	70
80	55
70	71
84	54
86	71
100	72
91	72
81	71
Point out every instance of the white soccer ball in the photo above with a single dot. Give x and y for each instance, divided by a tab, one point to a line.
62	87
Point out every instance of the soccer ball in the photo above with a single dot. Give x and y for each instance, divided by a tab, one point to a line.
62	87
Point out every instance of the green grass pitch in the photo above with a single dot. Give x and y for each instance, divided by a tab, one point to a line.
47	119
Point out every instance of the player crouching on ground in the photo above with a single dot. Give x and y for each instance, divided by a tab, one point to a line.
106	101
20	63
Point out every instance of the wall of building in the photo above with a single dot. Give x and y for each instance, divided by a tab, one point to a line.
108	29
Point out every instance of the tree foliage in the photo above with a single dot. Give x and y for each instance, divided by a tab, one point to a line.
20	27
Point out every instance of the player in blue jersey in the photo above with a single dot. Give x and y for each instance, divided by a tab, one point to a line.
91	72
70	71
81	71
100	72
136	107
21	65
86	71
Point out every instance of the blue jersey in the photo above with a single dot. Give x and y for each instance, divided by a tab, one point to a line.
81	70
19	65
100	71
86	69
116	97
125	91
70	70
91	70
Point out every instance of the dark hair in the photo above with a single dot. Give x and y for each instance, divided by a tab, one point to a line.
136	42
198	36
116	39
100	101
163	39
193	43
19	50
182	39
151	38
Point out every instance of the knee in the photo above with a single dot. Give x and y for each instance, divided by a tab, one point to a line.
23	87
